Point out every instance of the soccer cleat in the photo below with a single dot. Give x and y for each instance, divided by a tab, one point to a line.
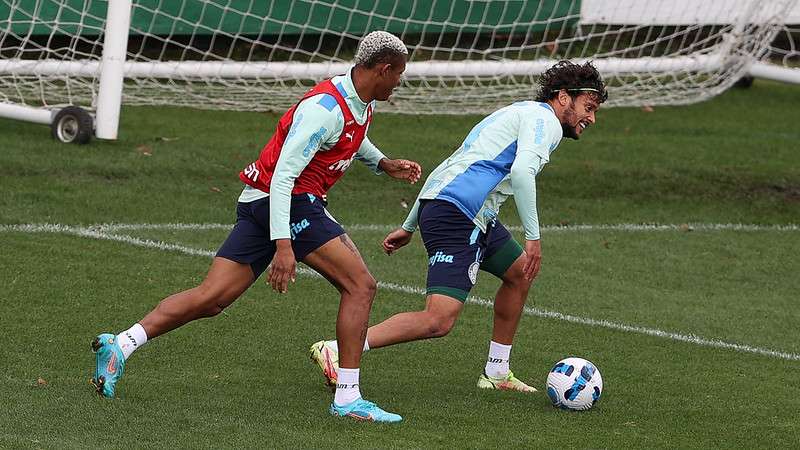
328	360
109	364
507	383
363	410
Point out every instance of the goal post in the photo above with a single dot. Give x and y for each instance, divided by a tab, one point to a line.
112	65
466	56
107	73
782	62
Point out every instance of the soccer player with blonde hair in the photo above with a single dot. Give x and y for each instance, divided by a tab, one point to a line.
282	219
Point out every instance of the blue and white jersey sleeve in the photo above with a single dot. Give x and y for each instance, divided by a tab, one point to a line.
410	224
523	182
370	155
538	136
317	124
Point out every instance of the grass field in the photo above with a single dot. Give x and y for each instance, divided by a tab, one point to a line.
693	324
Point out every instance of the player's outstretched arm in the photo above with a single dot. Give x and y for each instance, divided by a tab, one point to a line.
402	169
396	239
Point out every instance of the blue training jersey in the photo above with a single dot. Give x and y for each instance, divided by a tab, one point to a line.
500	157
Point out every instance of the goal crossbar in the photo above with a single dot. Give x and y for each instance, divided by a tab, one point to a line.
298	70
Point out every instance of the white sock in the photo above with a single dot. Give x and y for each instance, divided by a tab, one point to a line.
131	339
497	362
333	345
347	390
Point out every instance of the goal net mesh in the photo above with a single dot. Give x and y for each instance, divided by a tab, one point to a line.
466	56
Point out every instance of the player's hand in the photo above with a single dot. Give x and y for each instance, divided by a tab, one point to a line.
396	239
402	169
283	267
533	259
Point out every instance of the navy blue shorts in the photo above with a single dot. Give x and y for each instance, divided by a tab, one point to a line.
249	242
457	248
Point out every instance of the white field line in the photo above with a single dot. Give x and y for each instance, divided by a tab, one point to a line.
115	227
94	232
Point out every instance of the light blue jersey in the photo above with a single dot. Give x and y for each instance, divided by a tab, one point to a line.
500	157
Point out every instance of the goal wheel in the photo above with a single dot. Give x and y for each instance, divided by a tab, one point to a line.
72	125
744	82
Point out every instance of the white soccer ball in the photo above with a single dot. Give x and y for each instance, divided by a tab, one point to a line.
574	383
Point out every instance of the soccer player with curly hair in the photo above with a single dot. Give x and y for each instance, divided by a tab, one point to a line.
281	219
456	212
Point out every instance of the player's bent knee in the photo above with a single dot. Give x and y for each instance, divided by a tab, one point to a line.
440	325
210	302
209	308
363	287
515	278
370	286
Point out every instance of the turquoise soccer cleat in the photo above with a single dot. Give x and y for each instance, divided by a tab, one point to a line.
109	364
363	410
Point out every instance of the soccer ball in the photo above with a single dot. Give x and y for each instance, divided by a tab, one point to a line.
575	384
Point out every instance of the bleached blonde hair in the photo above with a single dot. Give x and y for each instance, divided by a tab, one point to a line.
378	46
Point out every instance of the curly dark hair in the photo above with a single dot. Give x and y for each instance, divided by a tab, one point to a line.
575	78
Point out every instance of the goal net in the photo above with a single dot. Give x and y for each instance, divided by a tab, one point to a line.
466	56
785	48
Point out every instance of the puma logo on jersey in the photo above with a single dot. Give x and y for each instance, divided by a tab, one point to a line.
349	136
